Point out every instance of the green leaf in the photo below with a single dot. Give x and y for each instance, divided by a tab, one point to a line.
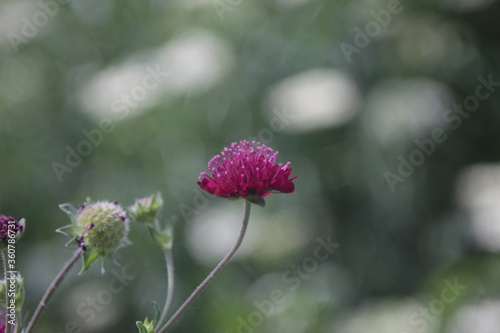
164	238
22	222
103	264
67	230
3	291
157	311
141	327
20	292
145	327
255	199
88	259
68	209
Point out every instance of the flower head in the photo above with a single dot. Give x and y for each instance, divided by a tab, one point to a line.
99	228
9	228
247	170
102	225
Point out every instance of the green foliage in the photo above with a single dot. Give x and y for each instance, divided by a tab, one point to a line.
62	140
145	327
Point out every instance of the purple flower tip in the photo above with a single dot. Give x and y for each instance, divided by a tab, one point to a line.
82	207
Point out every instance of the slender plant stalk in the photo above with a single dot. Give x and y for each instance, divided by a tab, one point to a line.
16	328
53	286
5	269
170	286
213	273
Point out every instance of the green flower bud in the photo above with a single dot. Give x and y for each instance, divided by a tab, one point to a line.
103	227
146	326
14	286
99	228
147	209
3	290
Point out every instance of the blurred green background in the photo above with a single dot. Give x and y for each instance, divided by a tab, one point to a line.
388	111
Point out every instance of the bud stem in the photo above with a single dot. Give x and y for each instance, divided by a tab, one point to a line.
5	270
213	273
53	286
170	286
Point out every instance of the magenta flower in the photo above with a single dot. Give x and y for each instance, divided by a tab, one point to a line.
247	170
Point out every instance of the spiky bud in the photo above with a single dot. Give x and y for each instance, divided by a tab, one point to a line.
103	227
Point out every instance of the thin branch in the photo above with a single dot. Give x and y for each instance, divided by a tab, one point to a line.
53	286
5	270
213	273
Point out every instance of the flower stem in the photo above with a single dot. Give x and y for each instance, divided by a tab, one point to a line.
53	286
213	273
170	286
5	269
